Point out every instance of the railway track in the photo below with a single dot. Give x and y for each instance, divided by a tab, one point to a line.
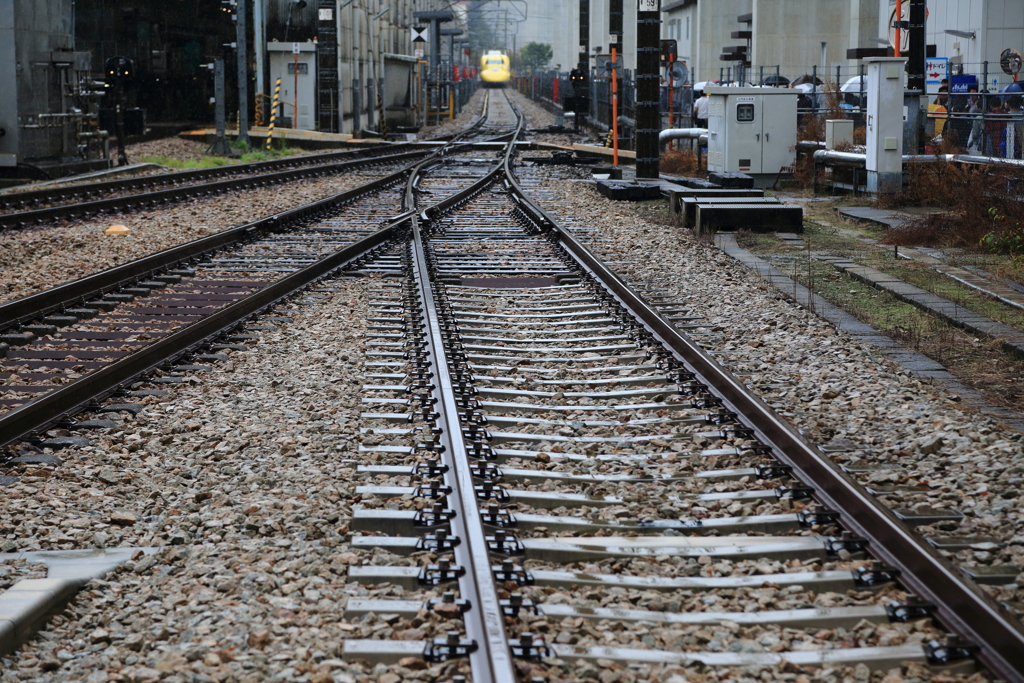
556	483
84	201
66	348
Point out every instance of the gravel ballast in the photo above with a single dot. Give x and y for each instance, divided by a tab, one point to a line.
901	431
39	258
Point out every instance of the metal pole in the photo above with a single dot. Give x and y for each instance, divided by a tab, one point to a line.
584	54
897	21
615	108
241	31
259	31
648	103
220	144
916	64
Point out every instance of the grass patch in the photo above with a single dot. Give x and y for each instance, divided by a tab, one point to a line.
205	162
215	161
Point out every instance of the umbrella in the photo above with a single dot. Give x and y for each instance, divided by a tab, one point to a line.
1015	88
700	86
856	84
805	88
777	81
806	78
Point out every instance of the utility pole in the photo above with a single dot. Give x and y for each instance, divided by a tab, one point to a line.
648	101
241	34
916	64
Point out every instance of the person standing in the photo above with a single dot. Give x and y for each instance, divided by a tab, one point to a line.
700	110
975	142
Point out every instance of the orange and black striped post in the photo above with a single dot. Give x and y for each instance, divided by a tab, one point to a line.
273	111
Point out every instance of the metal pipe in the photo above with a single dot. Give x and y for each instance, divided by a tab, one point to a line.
834	158
681	134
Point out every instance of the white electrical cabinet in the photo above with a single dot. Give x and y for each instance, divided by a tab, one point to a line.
752	131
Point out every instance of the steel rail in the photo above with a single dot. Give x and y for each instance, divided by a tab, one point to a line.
491	661
65	192
960	604
28	218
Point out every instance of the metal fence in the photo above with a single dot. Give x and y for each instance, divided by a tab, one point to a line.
989	122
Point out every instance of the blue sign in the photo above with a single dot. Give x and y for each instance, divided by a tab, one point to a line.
962	84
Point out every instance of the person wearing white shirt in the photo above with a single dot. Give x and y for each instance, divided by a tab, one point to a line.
700	111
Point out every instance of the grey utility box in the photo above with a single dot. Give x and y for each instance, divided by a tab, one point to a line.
752	131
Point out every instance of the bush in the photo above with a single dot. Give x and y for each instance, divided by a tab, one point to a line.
982	208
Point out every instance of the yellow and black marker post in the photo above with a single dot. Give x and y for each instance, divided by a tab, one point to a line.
273	112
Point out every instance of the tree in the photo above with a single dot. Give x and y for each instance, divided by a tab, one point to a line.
535	56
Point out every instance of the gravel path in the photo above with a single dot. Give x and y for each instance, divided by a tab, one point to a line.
39	258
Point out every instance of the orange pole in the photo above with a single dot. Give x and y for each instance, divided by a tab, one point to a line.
615	113
295	95
899	38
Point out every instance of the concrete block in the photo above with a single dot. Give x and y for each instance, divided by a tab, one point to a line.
754	217
623	191
739	181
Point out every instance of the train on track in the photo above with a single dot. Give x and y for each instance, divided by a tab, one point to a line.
494	69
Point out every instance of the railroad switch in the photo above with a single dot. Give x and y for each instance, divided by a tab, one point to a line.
953	650
874	575
515	604
774	471
438	542
437	515
529	647
498	517
817	517
442	572
449	647
912	609
505	543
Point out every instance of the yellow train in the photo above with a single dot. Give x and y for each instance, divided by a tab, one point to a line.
494	69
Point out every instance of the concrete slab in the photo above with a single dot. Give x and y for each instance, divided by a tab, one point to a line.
883	217
26	606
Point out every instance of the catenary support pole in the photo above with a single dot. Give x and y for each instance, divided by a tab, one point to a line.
648	103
